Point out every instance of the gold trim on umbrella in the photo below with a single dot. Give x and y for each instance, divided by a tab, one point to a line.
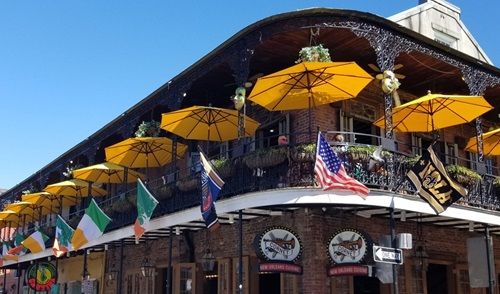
74	188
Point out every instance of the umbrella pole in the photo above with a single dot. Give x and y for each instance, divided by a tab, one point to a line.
174	156
309	114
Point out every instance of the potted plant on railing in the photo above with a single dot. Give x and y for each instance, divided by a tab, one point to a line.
188	184
303	152
265	157
463	175
223	166
360	153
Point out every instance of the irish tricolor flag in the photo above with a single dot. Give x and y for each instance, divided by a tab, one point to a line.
91	227
146	204
35	242
5	252
62	239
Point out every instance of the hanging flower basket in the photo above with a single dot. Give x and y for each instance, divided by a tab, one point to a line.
122	205
304	153
223	166
148	129
314	54
164	192
188	184
266	157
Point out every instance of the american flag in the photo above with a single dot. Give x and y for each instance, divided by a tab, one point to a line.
331	173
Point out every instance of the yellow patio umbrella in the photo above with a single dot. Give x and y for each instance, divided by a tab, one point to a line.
13	217
143	152
107	172
491	143
436	111
74	188
309	84
206	123
28	208
47	200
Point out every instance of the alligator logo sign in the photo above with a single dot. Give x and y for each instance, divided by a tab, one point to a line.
279	244
348	246
41	276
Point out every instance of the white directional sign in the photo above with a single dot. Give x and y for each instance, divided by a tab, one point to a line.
387	255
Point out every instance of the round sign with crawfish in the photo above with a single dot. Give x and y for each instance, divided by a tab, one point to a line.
278	244
348	246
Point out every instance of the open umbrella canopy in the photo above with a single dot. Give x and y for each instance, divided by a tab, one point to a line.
309	84
143	152
48	200
206	123
106	172
14	218
74	188
28	208
436	111
491	143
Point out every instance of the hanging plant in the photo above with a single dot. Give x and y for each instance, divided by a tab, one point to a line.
223	166
314	54
148	129
304	152
68	174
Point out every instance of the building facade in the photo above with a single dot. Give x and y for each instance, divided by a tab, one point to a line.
270	188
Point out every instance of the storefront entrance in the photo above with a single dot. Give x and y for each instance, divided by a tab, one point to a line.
437	279
269	283
366	285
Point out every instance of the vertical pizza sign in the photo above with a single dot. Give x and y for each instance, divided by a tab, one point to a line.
349	250
278	248
41	276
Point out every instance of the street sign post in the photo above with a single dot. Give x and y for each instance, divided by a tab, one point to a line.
387	255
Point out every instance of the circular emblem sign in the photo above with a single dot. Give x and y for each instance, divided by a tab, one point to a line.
279	244
42	275
347	246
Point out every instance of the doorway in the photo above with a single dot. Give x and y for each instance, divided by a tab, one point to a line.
364	127
366	285
437	279
269	283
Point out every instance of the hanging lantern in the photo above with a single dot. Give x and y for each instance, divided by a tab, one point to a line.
147	269
208	261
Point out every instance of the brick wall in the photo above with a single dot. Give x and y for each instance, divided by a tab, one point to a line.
314	228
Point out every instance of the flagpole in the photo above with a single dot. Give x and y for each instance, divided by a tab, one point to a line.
169	267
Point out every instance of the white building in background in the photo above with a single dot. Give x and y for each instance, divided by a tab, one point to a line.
440	20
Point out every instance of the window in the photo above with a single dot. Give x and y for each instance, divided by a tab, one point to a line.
445	39
346	125
185	278
341	285
289	284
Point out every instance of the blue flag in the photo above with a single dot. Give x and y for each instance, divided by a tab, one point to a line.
211	184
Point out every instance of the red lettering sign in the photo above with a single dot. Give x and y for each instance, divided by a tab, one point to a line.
278	267
349	270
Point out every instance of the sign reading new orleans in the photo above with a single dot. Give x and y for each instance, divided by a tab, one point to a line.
280	247
348	249
41	276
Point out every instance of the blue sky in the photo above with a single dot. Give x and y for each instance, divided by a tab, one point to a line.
69	67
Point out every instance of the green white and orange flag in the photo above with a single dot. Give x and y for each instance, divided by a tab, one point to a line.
35	242
91	226
62	239
5	252
146	204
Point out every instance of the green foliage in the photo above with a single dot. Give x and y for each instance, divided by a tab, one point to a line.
314	53
411	161
306	148
219	163
496	182
265	157
148	129
462	174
